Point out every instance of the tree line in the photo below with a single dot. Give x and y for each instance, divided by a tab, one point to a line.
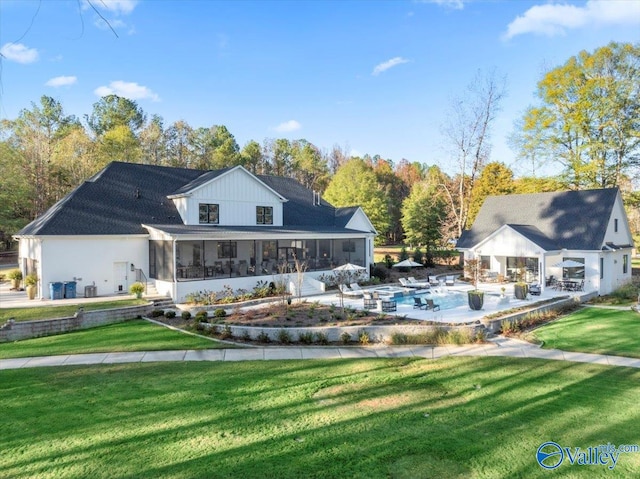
587	120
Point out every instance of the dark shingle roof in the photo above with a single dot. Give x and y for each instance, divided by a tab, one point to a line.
567	219
123	196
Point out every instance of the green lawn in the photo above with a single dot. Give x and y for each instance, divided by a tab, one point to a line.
594	330
136	335
62	311
380	418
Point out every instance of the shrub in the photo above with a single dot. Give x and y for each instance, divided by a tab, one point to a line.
480	336
202	316
417	255
345	338
170	314
226	332
305	338
246	335
263	337
364	338
379	273
284	337
399	338
186	315
136	288
15	274
388	261
321	338
157	313
31	280
219	313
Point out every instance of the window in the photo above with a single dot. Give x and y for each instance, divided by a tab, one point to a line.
601	268
227	249
485	262
264	215
615	225
208	214
625	263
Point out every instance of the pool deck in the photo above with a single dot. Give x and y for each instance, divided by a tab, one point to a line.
460	314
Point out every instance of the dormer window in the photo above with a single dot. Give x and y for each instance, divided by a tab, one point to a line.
208	214
264	215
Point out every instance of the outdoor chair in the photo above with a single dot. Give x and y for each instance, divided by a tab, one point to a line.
418	284
404	282
347	291
388	305
534	289
434	281
419	304
432	306
369	302
355	287
450	280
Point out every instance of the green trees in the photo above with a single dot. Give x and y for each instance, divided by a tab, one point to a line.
355	183
423	213
588	119
494	180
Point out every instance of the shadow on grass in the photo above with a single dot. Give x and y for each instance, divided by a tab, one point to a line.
454	417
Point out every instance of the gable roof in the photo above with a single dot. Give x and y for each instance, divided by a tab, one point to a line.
123	196
568	219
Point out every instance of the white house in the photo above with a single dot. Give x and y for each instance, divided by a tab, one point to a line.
542	230
185	230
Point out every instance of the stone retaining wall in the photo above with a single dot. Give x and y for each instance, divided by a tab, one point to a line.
494	325
17	330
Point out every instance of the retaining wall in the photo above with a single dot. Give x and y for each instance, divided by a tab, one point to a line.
494	325
16	330
334	333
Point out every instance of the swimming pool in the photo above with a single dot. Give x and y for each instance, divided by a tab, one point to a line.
446	299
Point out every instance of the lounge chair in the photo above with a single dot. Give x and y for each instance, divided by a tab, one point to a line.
418	284
450	280
418	303
355	287
405	282
347	291
432	306
434	281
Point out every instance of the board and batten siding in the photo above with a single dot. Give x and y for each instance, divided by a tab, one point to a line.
237	195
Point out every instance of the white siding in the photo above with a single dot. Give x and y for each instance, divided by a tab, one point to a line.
90	260
623	235
237	194
508	242
360	222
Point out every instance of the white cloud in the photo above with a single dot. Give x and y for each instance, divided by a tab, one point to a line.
62	81
455	4
556	19
288	126
384	66
18	52
130	90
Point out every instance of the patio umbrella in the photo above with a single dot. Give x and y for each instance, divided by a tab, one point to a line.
568	263
350	267
407	263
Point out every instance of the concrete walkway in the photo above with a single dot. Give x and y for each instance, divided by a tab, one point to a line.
496	347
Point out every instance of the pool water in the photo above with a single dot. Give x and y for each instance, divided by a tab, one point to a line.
446	299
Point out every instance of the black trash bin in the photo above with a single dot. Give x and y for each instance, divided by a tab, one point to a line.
69	289
56	291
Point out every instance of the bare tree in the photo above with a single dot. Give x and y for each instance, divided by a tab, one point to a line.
468	133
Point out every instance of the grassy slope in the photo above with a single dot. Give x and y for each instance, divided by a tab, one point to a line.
137	335
403	418
594	330
63	311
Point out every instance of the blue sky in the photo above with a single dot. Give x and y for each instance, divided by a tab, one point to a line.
373	77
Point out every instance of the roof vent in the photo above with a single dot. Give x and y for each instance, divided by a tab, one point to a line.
137	194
